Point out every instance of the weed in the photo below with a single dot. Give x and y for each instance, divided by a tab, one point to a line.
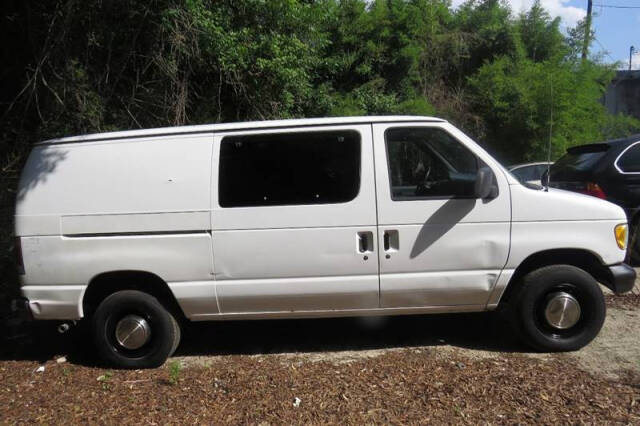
104	379
174	372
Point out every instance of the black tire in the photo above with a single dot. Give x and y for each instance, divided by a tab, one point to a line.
530	300
177	334
164	336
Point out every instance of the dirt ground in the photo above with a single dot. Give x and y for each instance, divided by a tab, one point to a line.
445	368
615	351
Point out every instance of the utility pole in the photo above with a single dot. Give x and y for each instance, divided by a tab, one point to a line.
587	31
631	50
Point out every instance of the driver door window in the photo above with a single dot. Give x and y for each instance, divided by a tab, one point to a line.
428	163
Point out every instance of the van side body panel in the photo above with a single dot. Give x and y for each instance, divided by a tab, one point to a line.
557	219
88	208
115	183
561	219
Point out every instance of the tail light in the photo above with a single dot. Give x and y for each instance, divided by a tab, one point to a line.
594	190
17	249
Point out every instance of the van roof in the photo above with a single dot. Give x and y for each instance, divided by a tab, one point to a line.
248	125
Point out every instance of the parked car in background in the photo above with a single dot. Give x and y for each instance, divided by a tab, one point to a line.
608	170
530	172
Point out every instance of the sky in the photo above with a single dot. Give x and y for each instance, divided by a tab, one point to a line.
616	29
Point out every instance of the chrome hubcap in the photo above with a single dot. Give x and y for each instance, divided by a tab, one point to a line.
562	310
132	332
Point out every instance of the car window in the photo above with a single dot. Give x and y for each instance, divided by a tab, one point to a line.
581	158
525	173
289	169
540	169
428	162
630	160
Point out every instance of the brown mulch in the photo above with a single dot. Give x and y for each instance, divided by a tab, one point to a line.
626	301
406	386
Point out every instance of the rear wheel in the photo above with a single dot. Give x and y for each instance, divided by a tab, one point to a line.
131	329
558	308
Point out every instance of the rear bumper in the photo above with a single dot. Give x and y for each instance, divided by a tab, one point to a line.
20	310
621	278
56	302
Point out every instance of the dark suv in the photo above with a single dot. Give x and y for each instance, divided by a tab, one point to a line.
609	170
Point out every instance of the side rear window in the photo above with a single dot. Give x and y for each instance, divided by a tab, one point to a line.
289	169
629	162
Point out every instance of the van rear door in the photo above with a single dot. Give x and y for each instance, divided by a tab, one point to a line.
294	220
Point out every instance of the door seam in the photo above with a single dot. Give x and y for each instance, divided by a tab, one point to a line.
375	189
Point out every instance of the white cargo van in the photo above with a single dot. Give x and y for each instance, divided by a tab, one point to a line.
138	230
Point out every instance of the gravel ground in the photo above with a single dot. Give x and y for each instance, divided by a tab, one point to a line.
454	369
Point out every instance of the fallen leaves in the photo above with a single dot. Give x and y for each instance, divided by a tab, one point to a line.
404	386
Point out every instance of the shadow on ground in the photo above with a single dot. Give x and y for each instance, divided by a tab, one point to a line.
483	331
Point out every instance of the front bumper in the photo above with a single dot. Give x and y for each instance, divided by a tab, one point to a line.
621	278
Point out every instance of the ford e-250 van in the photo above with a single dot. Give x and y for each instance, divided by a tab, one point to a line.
137	231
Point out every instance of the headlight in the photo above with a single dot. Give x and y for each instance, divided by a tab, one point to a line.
621	232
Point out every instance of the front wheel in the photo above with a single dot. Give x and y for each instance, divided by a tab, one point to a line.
131	329
558	308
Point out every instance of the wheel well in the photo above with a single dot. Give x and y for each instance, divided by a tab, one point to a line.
582	259
107	283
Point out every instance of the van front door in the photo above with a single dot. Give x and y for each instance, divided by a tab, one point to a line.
294	220
439	245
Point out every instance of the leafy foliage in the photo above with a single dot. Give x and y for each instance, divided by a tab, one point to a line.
522	100
77	67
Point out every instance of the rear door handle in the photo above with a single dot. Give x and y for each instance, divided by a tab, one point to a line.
391	240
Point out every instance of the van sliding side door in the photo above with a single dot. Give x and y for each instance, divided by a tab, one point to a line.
294	220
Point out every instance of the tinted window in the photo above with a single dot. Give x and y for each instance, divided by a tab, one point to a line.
428	162
289	169
581	158
630	160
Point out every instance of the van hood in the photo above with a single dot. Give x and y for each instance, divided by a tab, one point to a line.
557	205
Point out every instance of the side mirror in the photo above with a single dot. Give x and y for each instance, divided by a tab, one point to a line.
484	186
